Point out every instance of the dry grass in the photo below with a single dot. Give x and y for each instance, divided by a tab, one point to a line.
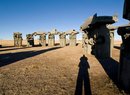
50	71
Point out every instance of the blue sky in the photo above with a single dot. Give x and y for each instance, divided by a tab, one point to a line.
28	16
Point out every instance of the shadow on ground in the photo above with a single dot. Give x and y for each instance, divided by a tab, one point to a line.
83	81
14	48
9	58
111	68
6	46
117	47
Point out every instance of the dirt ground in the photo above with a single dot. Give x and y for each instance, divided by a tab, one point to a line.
57	71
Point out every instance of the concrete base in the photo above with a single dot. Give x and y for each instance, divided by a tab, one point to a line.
18	43
43	43
51	42
62	42
30	43
88	49
72	42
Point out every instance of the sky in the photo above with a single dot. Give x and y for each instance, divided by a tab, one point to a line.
28	16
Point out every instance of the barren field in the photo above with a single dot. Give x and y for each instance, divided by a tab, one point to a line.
57	71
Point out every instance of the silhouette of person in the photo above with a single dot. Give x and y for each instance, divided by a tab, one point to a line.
83	78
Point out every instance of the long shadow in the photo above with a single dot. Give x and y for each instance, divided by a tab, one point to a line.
6	46
117	47
9	58
14	48
83	78
57	44
111	68
77	44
